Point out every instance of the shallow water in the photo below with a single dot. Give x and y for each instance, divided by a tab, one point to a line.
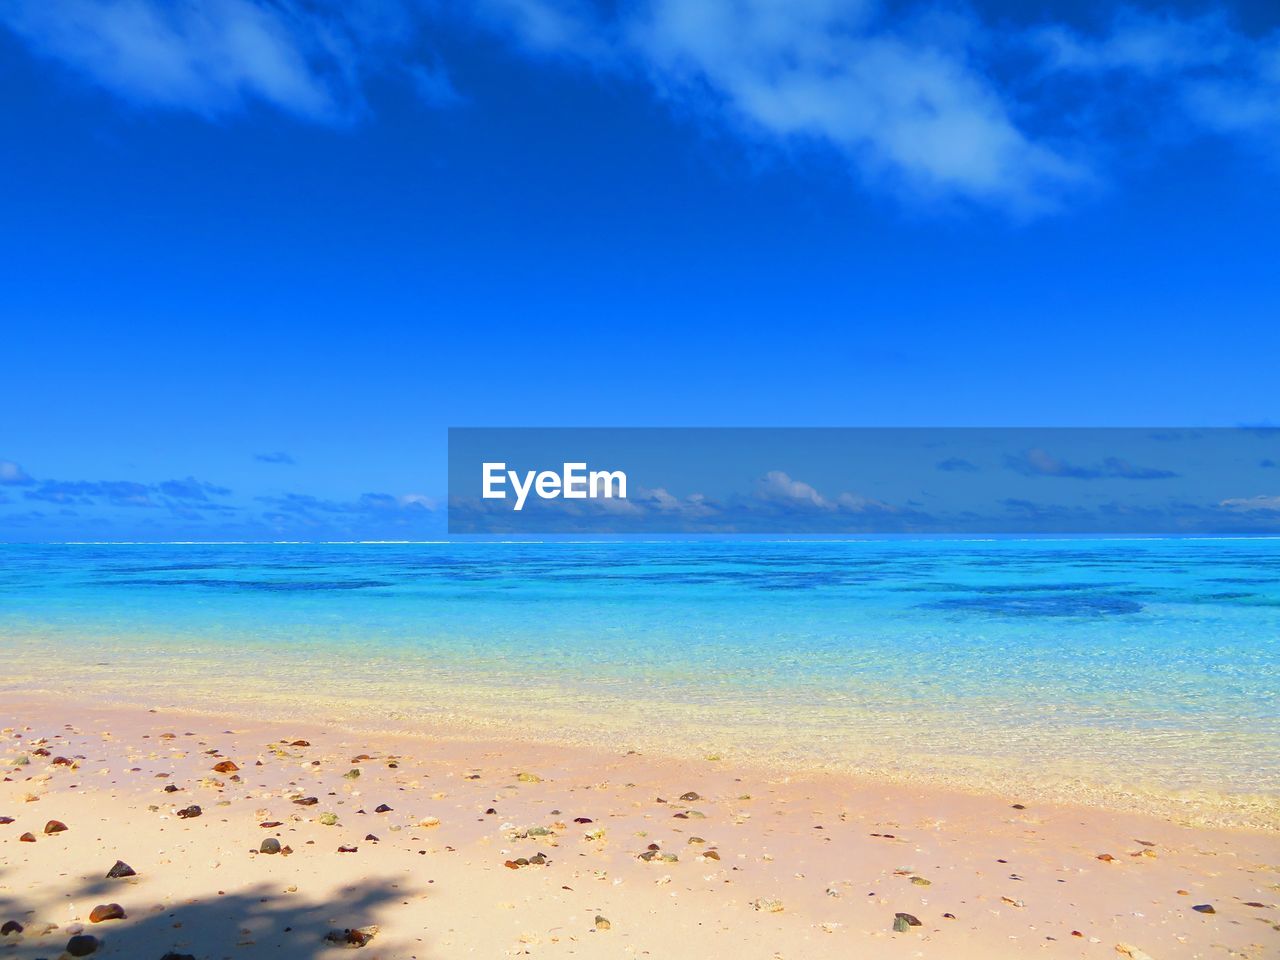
1145	667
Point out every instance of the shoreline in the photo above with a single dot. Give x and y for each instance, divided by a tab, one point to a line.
805	865
1051	779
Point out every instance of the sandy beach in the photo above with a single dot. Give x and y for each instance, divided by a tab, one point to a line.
430	847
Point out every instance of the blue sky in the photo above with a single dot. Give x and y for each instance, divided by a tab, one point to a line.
235	230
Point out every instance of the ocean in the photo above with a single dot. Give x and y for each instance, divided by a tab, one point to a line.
1121	672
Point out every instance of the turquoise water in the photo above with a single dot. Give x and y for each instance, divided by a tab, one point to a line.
1125	667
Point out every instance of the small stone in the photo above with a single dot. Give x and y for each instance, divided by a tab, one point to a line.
382	808
121	869
603	924
768	905
1019	806
82	945
106	911
528	778
306	801
270	846
54	826
328	819
1204	908
352	774
371	837
27	838
903	922
269	824
300	743
1105	857
352	937
689	797
171	788
429	822
10	926
186	813
226	766
347	849
921	881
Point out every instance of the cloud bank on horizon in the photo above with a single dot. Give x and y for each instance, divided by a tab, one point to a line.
926	101
42	509
837	481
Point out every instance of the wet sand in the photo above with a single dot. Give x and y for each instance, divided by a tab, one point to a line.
494	849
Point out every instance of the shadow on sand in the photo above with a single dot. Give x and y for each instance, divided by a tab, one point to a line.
262	921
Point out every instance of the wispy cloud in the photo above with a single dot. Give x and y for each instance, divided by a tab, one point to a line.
279	457
929	101
1260	504
13	475
125	493
1190	73
216	57
199	508
956	465
1040	463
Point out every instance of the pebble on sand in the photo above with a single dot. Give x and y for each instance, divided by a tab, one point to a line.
121	869
352	936
1204	908
270	845
82	945
186	813
226	766
54	826
10	926
106	911
902	922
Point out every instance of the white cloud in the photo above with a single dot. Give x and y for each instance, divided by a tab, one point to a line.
209	57
935	103
11	473
1249	504
1201	73
912	107
778	486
